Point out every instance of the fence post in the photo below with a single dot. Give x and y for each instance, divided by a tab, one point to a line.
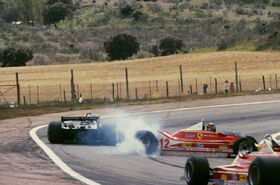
136	96
216	86
91	91
38	100
64	96
211	85
236	77
240	89
157	85
24	100
118	91
167	92
73	98
191	89
263	82
126	79
29	94
276	85
179	86
181	78
270	79
150	89
113	91
196	91
60	95
78	91
18	90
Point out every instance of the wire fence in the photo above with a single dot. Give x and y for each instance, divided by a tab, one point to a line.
171	81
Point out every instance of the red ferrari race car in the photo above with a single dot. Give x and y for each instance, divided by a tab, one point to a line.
255	168
203	139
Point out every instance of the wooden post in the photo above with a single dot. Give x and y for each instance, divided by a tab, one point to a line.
216	86
270	79
191	89
24	100
276	85
210	85
240	88
18	90
167	91
38	100
136	96
150	89
179	86
236	77
157	85
126	79
118	96
120	90
29	94
263	82
181	78
60	95
73	91
113	91
64	95
91	91
196	86
78	91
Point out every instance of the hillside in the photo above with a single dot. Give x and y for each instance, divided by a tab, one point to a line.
200	24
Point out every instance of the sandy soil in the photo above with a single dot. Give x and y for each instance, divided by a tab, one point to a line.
23	162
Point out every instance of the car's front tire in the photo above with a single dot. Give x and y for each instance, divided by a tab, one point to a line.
243	144
264	171
197	171
55	132
149	141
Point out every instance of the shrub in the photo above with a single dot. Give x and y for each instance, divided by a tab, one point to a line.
127	11
121	46
170	46
15	57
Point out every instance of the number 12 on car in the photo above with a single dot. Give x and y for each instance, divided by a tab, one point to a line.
164	143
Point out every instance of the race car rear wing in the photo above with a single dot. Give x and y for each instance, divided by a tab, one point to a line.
79	118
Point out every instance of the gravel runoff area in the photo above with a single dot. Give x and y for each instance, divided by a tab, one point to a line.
23	162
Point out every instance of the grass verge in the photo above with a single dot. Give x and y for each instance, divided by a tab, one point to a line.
46	108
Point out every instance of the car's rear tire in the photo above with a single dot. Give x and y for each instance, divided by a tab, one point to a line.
253	141
264	171
197	171
55	132
109	135
242	144
149	140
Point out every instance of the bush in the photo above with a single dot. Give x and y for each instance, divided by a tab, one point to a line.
121	46
15	57
127	11
56	12
170	46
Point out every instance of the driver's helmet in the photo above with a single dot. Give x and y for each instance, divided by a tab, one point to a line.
211	127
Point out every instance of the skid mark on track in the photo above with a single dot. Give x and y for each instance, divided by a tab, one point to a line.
165	163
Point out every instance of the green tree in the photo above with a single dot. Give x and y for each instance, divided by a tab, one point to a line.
170	46
121	46
15	57
56	12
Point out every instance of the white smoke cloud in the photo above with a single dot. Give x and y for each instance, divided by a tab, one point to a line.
129	125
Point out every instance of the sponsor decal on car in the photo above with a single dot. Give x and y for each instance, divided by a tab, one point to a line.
234	177
243	177
199	135
229	182
223	147
186	144
199	145
189	135
223	177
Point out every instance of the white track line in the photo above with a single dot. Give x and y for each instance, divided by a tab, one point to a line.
85	180
57	160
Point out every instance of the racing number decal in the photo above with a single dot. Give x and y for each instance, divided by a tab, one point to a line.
199	135
164	143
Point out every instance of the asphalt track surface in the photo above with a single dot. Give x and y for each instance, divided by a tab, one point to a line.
104	165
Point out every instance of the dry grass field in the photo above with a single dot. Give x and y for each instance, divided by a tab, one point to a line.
52	80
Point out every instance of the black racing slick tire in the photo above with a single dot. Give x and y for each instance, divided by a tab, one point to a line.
55	132
253	141
264	171
197	171
242	144
109	135
149	141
